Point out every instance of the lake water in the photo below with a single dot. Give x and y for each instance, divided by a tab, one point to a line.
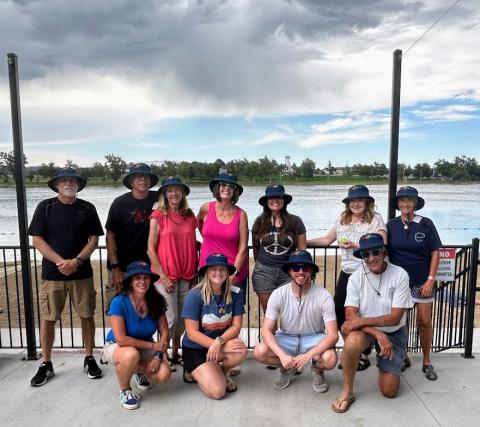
454	209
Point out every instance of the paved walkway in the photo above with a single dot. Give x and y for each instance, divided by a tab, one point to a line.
71	399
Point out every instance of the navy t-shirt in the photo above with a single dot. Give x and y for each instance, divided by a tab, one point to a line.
213	318
411	248
141	328
66	228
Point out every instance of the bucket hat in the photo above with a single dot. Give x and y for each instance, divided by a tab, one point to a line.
139	267
173	180
142	169
408	191
299	257
358	191
67	173
275	191
227	178
369	241
216	259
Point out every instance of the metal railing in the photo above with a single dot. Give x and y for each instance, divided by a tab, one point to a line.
453	309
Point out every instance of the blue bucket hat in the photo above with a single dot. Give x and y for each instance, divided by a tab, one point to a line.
358	191
408	191
275	191
141	169
139	267
299	257
369	241
216	259
67	173
227	178
173	180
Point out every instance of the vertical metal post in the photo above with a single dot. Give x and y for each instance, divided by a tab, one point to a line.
394	130
472	289
21	205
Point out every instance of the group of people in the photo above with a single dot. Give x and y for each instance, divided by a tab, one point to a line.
160	290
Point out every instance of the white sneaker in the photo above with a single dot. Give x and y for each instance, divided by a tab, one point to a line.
283	380
319	383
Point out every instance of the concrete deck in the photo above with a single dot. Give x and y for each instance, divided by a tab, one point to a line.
70	398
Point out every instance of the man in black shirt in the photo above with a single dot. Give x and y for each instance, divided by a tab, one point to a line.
128	224
65	231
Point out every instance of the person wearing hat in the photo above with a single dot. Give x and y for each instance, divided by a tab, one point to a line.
137	313
65	231
275	235
127	226
378	297
213	313
308	328
358	218
173	253
414	245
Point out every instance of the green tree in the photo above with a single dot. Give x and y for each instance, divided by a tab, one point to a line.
7	162
115	166
307	168
47	170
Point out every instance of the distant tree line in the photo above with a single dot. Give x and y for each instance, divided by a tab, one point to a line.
460	169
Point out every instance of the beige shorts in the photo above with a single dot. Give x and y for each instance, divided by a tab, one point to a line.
111	347
53	295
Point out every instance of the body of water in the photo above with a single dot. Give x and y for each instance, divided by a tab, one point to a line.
453	208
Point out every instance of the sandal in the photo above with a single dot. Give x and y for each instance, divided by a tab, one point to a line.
188	377
429	372
231	386
234	371
348	402
405	364
172	367
363	363
175	360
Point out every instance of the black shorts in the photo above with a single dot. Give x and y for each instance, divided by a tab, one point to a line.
193	358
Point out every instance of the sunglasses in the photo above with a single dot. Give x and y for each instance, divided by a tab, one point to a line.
373	252
226	184
297	267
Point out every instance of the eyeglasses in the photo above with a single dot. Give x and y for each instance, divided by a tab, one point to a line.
373	252
306	268
226	184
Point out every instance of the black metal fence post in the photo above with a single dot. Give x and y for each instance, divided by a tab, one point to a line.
472	289
22	205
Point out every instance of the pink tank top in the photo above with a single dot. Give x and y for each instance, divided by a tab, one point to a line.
223	238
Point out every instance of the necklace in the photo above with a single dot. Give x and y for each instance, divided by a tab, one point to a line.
141	309
377	290
406	223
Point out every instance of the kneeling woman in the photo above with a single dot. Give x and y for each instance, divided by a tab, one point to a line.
213	313
136	314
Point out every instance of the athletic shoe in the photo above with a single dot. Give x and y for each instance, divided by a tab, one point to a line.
91	368
44	373
319	383
129	399
283	380
142	381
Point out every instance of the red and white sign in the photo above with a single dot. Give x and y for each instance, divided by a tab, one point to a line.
446	266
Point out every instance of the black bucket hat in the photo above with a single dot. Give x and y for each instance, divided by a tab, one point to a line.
141	169
369	241
67	173
173	180
408	191
139	267
228	179
299	257
358	191
215	260
275	191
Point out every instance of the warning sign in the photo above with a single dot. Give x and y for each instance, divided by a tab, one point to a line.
446	266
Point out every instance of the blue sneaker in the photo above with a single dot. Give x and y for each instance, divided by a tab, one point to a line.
142	382
129	399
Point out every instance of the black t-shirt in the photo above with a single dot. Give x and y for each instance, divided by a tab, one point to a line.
273	250
128	218
66	229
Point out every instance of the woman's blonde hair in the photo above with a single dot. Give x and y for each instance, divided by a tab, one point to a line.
183	209
206	290
368	215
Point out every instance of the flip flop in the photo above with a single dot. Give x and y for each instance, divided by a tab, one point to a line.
363	364
188	377
348	402
172	367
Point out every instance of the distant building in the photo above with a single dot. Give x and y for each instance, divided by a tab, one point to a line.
287	167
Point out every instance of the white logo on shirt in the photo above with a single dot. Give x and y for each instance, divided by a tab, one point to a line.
419	237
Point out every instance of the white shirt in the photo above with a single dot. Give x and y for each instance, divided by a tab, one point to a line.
392	285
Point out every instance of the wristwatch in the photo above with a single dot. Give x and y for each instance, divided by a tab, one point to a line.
113	266
220	340
79	260
158	355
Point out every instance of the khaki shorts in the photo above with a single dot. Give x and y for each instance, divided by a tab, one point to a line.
53	294
110	292
110	347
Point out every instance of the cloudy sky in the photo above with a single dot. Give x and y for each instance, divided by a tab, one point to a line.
200	80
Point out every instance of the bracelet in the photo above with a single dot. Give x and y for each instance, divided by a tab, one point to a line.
220	340
158	355
431	278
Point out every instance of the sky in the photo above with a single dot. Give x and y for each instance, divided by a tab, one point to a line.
231	79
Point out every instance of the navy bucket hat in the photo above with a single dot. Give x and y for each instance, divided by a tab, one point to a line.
217	259
358	191
140	169
173	180
139	267
299	257
408	191
228	179
67	173
369	241
275	191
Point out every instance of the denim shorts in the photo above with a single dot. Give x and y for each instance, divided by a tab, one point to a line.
266	279
399	340
295	344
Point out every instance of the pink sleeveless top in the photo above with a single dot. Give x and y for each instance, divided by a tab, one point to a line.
223	238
